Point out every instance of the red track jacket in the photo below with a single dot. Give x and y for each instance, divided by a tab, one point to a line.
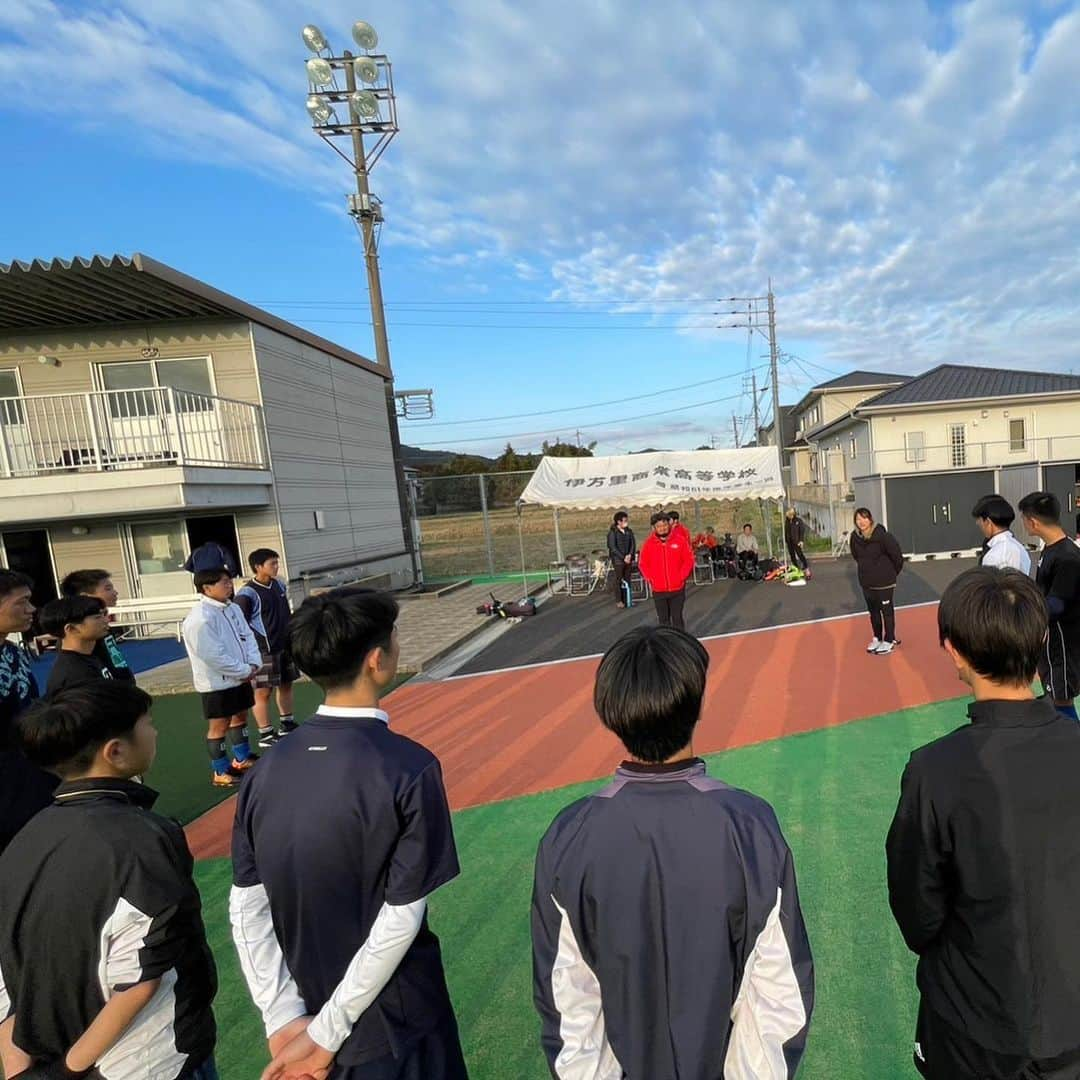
666	564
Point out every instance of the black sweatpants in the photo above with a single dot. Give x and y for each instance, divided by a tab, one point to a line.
435	1056
943	1053
669	608
620	572
796	556
879	602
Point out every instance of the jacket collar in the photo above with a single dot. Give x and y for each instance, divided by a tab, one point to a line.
211	602
673	770
95	789
1037	712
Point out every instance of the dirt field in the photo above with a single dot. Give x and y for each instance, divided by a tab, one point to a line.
454	544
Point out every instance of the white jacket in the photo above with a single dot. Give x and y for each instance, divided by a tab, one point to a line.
220	645
1006	551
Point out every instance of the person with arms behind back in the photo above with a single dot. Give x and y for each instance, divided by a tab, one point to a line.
879	559
1058	575
984	853
668	940
329	902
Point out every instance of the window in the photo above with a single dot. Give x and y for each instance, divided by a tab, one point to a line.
11	406
853	447
1017	435
957	446
158	546
137	380
915	446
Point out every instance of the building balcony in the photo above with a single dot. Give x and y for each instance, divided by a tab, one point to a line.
129	451
964	453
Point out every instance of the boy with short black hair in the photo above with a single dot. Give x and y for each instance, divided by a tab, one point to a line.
265	604
995	516
104	963
667	934
984	853
224	659
1058	575
99	584
351	980
79	623
24	788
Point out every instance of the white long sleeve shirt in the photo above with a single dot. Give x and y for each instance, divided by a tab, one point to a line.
1005	550
220	645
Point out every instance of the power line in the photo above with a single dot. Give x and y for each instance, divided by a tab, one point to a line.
599	423
492	303
510	326
578	408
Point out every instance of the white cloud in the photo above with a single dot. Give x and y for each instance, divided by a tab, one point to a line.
907	176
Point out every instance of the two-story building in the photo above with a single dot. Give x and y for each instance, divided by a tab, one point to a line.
143	412
921	454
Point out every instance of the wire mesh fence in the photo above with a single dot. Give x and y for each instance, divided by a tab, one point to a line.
468	525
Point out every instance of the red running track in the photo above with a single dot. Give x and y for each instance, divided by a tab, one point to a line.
526	730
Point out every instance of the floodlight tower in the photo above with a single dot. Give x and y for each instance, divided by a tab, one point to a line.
365	94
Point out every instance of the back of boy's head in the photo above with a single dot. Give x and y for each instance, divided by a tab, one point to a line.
673	514
83	582
1042	506
64	732
12	580
332	634
204	579
649	688
260	556
996	509
996	618
57	614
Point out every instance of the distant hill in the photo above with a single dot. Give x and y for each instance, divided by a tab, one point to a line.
417	458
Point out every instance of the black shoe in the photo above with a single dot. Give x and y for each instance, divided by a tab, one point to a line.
268	740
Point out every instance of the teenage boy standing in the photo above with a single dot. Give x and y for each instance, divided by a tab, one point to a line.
1058	576
99	584
329	905
666	561
104	963
621	548
667	935
24	788
79	624
984	853
224	659
265	604
995	516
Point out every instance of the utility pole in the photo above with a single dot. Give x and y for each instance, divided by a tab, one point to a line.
774	360
757	413
735	429
578	433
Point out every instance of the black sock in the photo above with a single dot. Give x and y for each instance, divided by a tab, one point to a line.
288	723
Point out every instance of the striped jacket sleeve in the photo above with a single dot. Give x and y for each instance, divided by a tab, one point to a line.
771	1014
565	990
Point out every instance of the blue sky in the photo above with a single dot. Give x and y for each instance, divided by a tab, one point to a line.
575	183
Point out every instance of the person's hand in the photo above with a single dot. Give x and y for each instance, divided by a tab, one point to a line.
626	558
300	1059
285	1035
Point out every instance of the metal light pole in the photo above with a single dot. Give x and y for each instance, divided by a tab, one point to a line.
371	110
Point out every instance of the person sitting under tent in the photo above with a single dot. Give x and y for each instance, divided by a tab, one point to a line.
747	550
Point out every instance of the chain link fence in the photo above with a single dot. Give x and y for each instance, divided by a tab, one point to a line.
468	525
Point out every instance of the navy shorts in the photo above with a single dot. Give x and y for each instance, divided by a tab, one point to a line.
219	704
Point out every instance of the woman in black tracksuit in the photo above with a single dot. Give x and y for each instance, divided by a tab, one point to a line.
879	559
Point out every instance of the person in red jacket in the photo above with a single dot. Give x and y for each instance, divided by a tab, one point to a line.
677	527
666	560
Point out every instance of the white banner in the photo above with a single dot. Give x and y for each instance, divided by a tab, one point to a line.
598	483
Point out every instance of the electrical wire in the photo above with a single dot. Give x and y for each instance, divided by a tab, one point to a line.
578	408
394	324
599	423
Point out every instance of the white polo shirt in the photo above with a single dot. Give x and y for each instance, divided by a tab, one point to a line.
1006	550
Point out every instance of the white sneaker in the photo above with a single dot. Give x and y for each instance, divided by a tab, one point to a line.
873	646
885	648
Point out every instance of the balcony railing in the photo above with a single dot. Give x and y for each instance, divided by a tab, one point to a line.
112	430
969	454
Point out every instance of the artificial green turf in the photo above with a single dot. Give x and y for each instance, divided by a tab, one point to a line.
834	791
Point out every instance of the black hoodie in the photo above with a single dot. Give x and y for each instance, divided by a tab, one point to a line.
879	559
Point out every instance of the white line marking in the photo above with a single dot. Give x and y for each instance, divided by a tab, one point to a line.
711	637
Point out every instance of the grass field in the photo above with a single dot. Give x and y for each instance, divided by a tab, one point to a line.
834	791
454	544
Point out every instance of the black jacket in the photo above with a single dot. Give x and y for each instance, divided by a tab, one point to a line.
984	875
76	669
97	866
879	559
621	544
794	531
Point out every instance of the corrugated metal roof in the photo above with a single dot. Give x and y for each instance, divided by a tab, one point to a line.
957	382
854	379
116	290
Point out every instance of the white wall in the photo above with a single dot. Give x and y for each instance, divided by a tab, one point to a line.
329	438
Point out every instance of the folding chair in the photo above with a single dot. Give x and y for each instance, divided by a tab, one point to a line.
703	567
579	575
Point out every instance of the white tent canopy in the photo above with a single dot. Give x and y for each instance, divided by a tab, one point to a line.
601	483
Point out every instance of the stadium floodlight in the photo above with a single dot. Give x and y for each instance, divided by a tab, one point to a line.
314	38
364	35
318	109
365	104
319	72
367	71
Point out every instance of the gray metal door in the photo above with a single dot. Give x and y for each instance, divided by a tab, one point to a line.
1062	481
1016	481
932	514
